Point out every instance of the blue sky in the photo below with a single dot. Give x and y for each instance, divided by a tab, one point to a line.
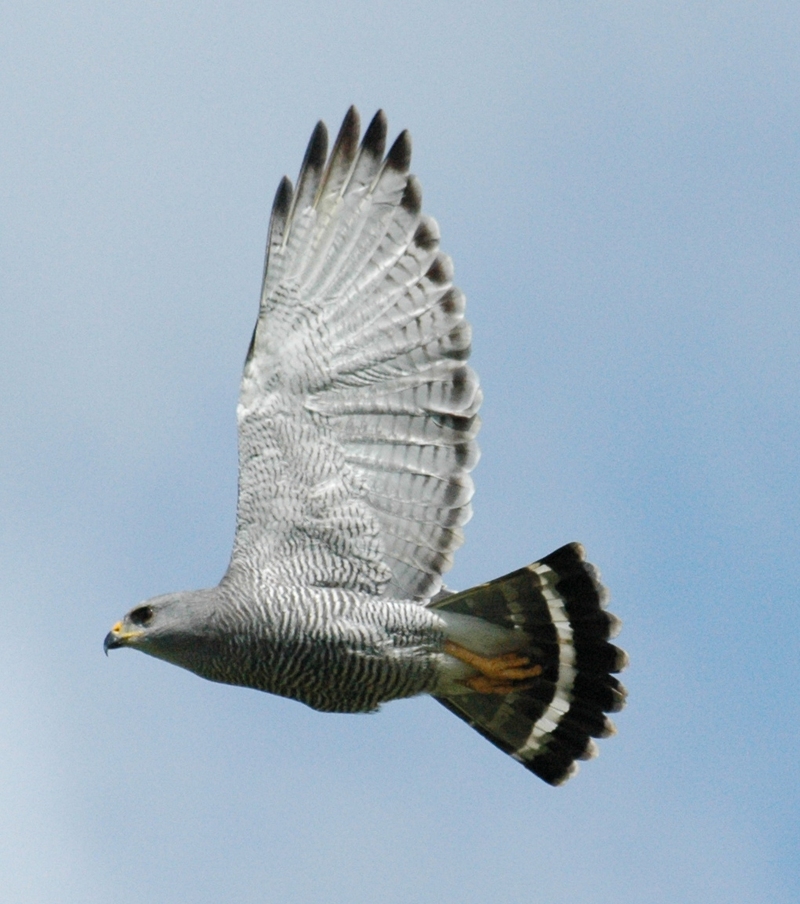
618	187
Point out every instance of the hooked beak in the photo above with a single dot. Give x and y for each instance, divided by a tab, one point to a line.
117	638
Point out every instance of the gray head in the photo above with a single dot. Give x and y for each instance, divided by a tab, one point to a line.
176	627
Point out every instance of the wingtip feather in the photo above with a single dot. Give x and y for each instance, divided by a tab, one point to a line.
412	196
283	199
317	149
311	169
281	206
374	141
399	156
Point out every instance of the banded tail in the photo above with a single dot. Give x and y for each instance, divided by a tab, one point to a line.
558	606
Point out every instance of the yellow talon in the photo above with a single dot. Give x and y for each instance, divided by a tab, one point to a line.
499	674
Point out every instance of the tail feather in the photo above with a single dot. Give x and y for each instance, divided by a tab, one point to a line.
557	606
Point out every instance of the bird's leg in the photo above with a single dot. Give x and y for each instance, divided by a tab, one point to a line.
498	674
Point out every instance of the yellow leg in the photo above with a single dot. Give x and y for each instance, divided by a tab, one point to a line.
499	674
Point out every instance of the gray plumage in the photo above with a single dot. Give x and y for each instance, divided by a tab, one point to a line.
357	420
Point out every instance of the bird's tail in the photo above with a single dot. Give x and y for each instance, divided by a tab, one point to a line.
556	606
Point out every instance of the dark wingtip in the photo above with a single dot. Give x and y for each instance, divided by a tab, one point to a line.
399	156
283	199
317	149
311	168
412	196
281	209
374	140
441	272
347	139
426	235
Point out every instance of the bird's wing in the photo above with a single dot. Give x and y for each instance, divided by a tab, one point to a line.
357	412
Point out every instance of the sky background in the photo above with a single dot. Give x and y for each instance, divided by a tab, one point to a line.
617	184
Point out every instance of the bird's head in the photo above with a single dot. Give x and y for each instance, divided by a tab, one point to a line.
169	627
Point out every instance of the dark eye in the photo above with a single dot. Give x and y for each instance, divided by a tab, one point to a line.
142	615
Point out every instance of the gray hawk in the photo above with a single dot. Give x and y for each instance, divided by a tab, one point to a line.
357	420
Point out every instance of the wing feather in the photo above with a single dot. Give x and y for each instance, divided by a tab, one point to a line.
357	412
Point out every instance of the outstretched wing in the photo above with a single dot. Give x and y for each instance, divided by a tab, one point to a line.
357	412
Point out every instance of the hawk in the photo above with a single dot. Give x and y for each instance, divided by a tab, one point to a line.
357	420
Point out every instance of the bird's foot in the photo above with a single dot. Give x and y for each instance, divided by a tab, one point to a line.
498	674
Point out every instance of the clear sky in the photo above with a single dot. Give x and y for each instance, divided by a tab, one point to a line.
618	186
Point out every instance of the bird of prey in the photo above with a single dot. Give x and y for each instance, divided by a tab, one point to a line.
357	419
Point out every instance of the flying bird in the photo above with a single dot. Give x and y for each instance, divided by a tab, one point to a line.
357	422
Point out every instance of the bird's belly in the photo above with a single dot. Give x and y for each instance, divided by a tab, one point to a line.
338	658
